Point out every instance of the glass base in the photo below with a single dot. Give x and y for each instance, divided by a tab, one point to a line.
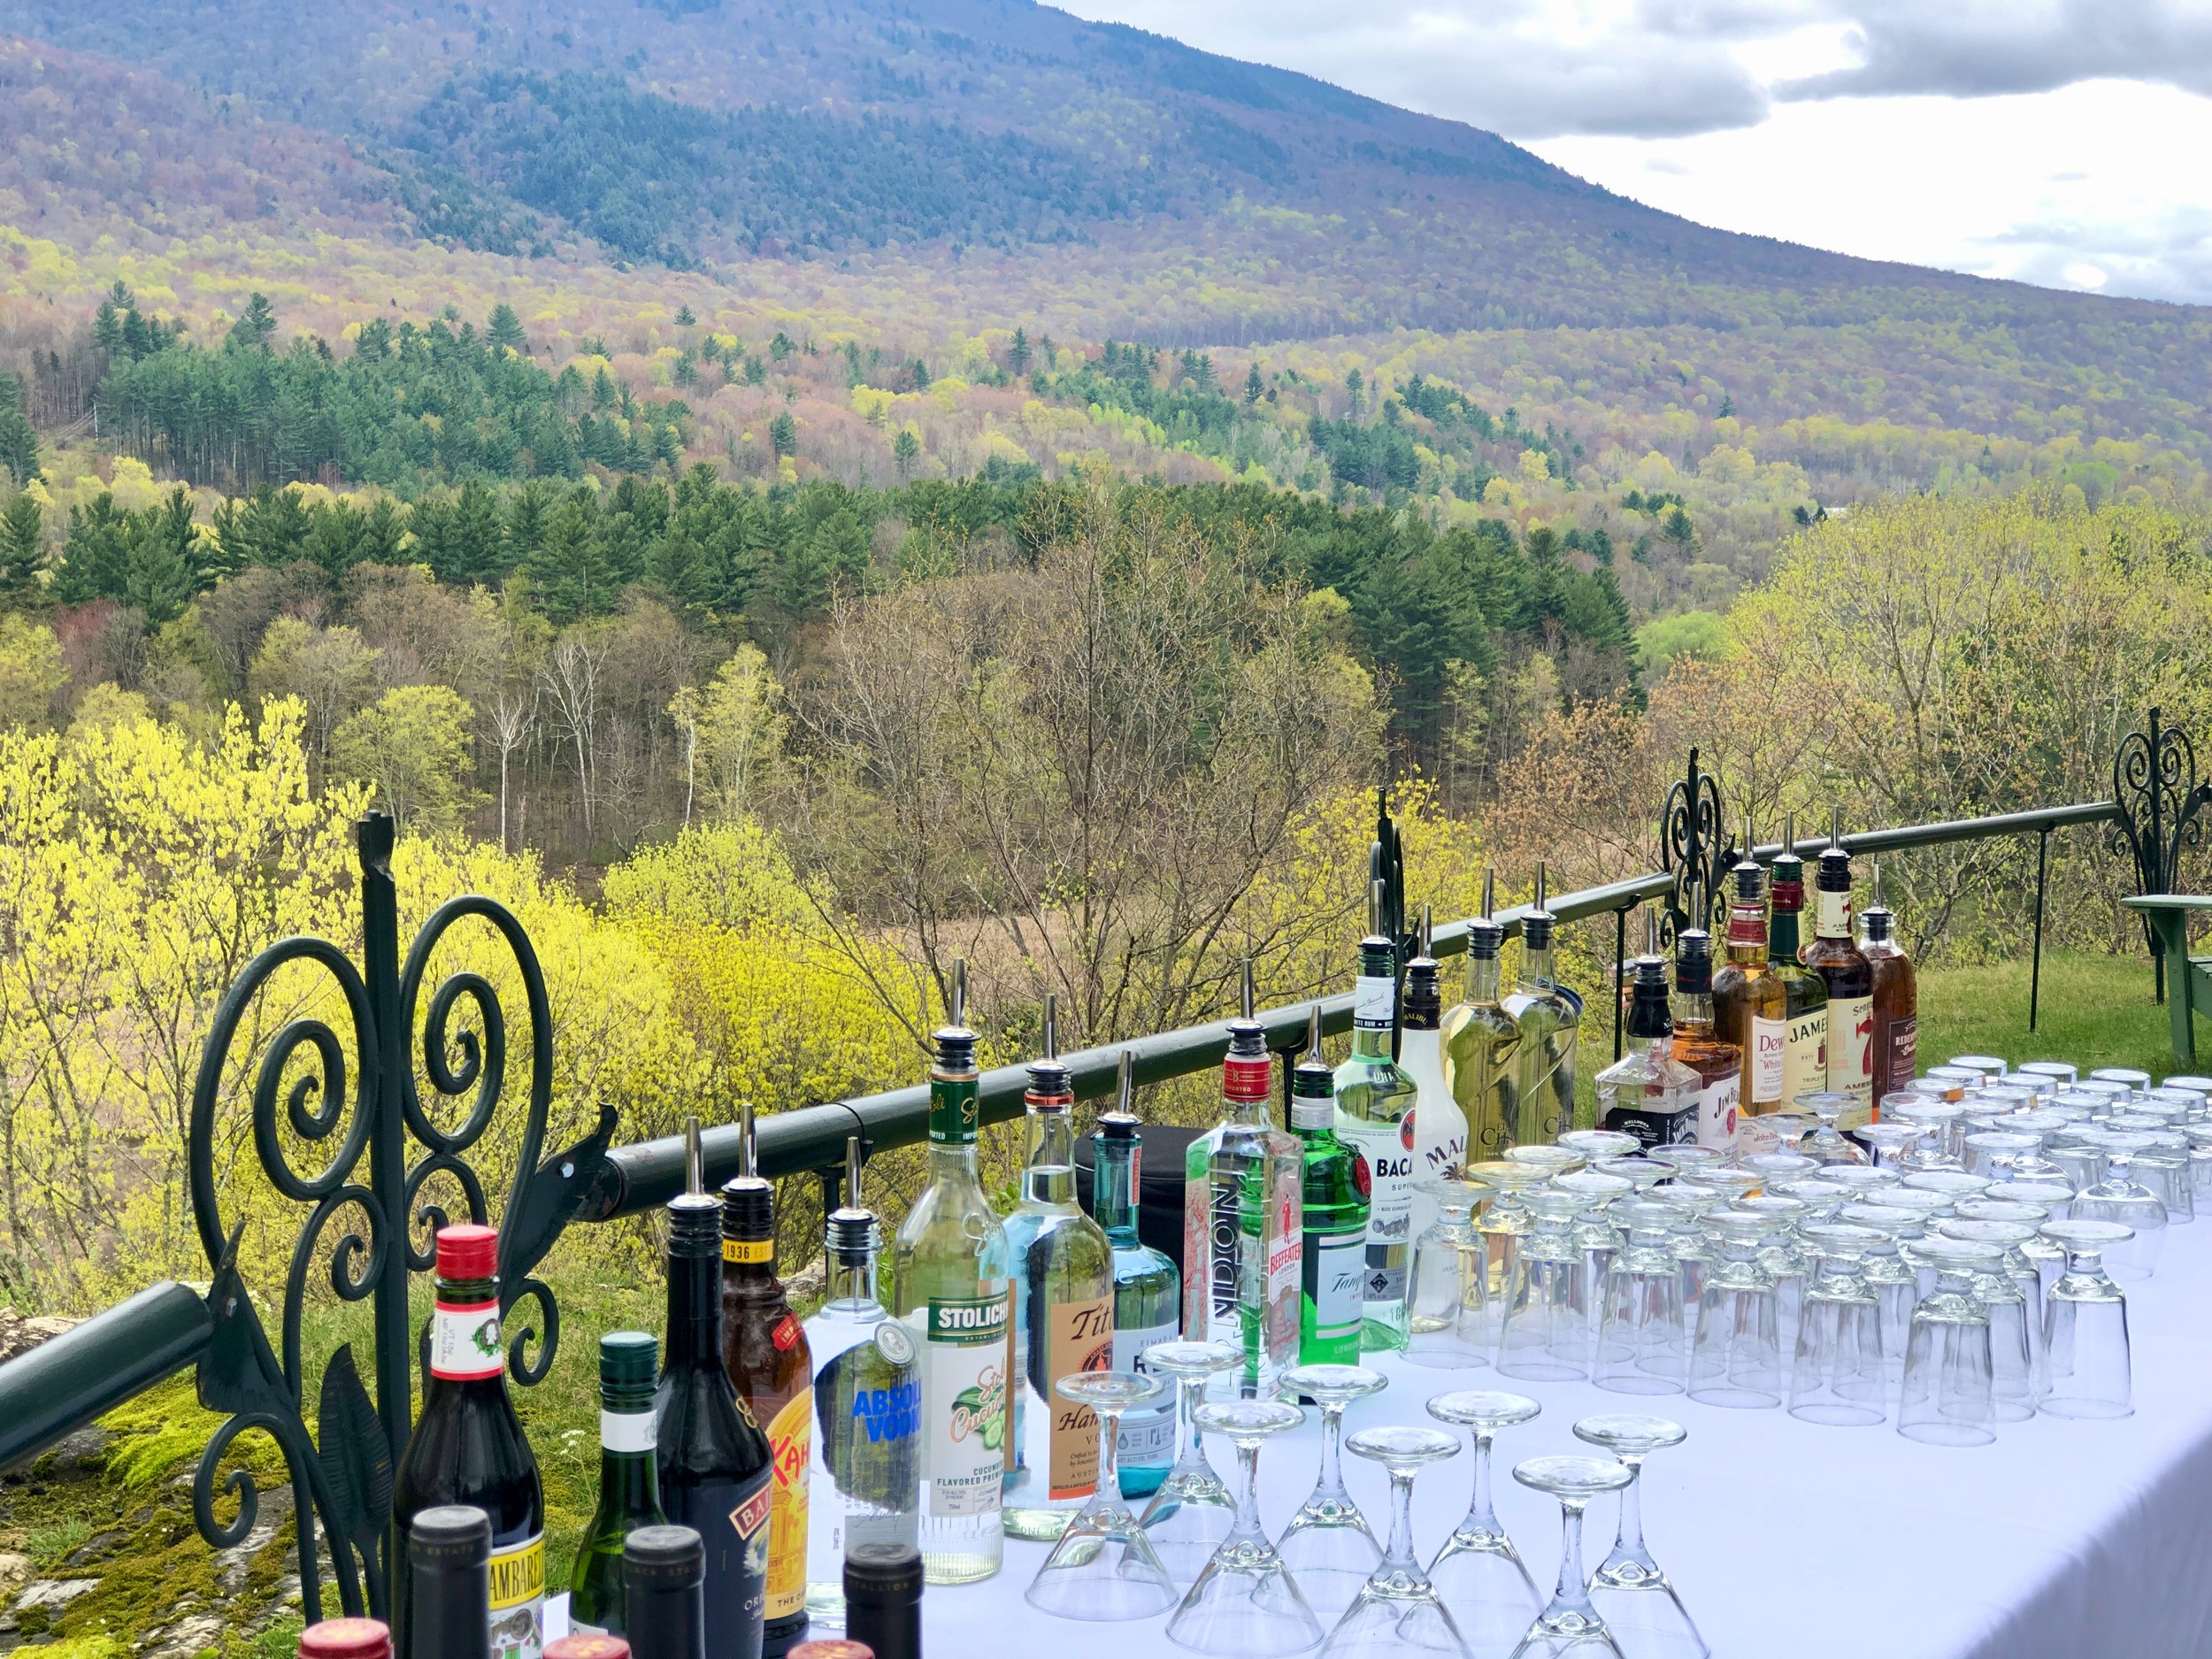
1245	1604
1038	1526
2059	1406
1103	1567
1490	1593
1567	1638
1648	1619
1838	1414
1329	1551
1389	1626
1942	1432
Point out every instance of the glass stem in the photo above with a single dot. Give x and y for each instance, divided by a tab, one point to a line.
1247	1521
1193	1396
1630	1540
1481	1519
1332	1481
1399	1551
1572	1594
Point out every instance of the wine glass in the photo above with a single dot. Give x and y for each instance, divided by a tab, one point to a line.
1244	1603
2087	1371
1629	1590
1478	1572
1446	1307
1190	1513
1571	1627
1104	1566
1398	1610
1828	1143
1328	1546
1593	1144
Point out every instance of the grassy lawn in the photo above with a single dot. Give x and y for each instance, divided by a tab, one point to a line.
2094	1010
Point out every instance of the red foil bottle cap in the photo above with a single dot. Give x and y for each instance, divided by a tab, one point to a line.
346	1639
468	1251
587	1648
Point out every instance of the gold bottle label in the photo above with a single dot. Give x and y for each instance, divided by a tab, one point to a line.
1082	1340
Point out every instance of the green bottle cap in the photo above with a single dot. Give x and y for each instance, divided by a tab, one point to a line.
628	1362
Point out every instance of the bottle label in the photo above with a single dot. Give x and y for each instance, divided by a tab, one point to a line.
1805	1056
1145	1438
1747	926
791	1444
1769	1047
1335	1275
1082	1340
465	1344
785	1334
1312	1112
1285	1246
731	1516
748	1252
1374	1003
626	1431
1717	1104
1832	915
1388	1149
964	1389
1213	1256
517	1579
952	1109
1243	1080
1851	1056
1904	1050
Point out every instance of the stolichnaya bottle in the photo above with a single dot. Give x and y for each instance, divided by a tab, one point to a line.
867	1410
1896	1043
1063	1312
951	1273
1241	1233
469	1449
1440	1127
1148	1289
1481	1043
1333	1272
629	1486
764	1351
1374	1102
1648	1093
716	1472
1549	1018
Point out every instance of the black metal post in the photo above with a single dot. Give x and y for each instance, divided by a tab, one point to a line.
2035	971
2160	878
1620	951
388	1135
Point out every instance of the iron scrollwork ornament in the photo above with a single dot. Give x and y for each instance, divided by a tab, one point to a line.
1695	850
2155	785
358	1105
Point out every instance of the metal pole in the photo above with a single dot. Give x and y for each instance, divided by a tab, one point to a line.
388	1139
2035	972
1620	952
2155	879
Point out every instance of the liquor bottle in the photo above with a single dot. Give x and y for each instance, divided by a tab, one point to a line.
469	1448
1481	1042
716	1470
1550	1020
1697	1042
1843	968
883	1587
444	1599
629	1486
1062	1310
1241	1234
867	1409
1148	1289
1440	1128
1895	1045
1374	1103
1648	1093
764	1351
347	1639
1750	1006
668	1581
951	1269
1336	1199
585	1646
1805	1035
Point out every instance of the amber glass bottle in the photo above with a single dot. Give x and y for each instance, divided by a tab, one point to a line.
1805	1038
1717	1062
1834	954
1894	1048
1749	1005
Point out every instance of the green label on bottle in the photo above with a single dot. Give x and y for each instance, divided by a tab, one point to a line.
952	1109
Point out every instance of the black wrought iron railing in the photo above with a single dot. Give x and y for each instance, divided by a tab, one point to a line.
360	1104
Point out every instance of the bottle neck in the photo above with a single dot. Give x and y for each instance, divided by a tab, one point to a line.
627	1485
1693	1012
694	1312
1782	939
1747	933
1113	1190
1647	1025
852	1280
1374	1004
1049	1175
1482	980
1536	970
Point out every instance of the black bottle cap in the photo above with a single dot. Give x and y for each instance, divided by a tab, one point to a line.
749	1208
453	1537
1424	1008
694	1225
1120	1127
882	1573
1694	962
664	1558
1879	919
1834	874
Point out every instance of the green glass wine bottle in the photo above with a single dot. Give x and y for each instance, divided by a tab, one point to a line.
1334	1264
629	1486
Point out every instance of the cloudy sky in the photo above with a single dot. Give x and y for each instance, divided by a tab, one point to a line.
2062	141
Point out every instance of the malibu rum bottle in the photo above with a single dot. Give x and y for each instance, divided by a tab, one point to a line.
1750	1006
1064	1311
1148	1289
1375	1099
1805	1038
1479	1043
1697	1044
951	1283
629	1487
1835	956
1895	1044
1648	1093
1550	1020
469	1448
765	1353
1333	1269
1242	1228
1440	1127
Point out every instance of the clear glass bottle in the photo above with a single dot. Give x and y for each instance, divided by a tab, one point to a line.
1480	1044
1549	1018
1805	1037
629	1488
1698	1044
1148	1289
1334	1264
1440	1127
1375	1099
1062	1312
951	1278
1834	954
867	1410
1242	1239
1648	1093
1895	1045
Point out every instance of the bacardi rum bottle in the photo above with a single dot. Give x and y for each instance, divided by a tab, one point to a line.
951	1276
1440	1127
1241	1232
1697	1044
1648	1093
1805	1038
1750	1006
1895	1045
1337	1200
1481	1044
1375	1099
1550	1021
1835	956
1147	1290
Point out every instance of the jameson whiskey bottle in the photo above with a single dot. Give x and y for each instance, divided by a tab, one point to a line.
1374	1106
1064	1311
1550	1020
1147	1290
1440	1127
629	1487
1337	1192
1480	1043
1750	1006
764	1351
469	1449
1895	1044
716	1468
1648	1093
867	1409
1241	1232
1697	1044
1834	954
1805	1035
951	1271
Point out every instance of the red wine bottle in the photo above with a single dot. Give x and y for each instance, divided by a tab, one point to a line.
469	1448
346	1639
448	1557
716	1469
